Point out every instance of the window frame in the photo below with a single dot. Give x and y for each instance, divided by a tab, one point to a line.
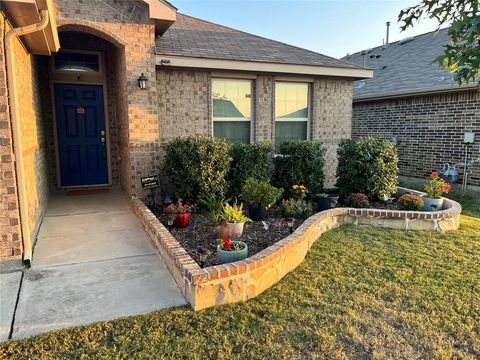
228	119
99	55
309	107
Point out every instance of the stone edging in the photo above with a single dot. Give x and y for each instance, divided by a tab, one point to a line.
243	280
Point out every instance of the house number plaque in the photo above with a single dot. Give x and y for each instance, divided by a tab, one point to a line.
80	110
150	181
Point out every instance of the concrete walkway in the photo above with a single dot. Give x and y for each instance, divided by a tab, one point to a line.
92	261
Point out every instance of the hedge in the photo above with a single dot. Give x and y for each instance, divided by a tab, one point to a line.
197	166
249	161
300	162
368	166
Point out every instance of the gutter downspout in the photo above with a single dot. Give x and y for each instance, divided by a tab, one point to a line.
17	143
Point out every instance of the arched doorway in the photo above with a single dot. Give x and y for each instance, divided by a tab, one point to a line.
86	83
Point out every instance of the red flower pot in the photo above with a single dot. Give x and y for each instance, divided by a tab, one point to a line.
181	220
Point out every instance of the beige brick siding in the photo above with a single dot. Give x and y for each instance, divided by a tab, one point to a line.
263	108
183	103
429	129
10	242
184	109
331	119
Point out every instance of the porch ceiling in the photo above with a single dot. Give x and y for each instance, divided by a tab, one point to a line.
26	12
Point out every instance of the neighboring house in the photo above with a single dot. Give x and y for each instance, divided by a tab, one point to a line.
75	111
418	104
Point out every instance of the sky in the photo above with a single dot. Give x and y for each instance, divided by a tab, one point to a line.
332	28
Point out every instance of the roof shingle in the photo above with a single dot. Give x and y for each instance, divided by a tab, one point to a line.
193	37
403	67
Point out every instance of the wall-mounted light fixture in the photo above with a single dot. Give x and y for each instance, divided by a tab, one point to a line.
142	82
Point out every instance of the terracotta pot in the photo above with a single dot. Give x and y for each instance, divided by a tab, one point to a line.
235	230
181	220
432	204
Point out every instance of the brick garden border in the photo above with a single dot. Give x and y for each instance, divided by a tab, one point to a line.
243	280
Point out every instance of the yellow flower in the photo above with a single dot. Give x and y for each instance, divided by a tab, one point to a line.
303	190
295	187
302	187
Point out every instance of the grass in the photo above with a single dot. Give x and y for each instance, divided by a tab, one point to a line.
362	293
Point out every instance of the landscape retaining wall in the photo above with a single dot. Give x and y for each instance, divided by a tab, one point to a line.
243	280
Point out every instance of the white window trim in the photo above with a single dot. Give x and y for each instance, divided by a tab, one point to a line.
309	105
226	119
231	119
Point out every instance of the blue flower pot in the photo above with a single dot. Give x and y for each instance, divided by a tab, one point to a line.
232	256
432	204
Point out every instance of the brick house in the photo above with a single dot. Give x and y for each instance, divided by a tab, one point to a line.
74	112
419	105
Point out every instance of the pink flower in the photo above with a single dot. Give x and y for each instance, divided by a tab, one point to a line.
446	187
434	174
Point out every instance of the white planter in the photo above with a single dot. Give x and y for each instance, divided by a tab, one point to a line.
432	204
234	230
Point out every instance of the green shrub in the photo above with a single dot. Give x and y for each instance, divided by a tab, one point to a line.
260	194
197	166
357	200
410	202
249	161
368	166
300	162
296	208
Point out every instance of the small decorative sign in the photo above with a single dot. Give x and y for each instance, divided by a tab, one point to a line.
80	110
150	181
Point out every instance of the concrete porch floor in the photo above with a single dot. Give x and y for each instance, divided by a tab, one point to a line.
92	261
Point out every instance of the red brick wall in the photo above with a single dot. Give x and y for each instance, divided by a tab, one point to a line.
10	242
429	129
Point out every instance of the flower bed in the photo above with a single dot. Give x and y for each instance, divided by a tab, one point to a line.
202	234
246	279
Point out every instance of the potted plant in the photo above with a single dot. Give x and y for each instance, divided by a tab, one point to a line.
181	211
235	219
231	251
260	196
434	190
326	201
410	202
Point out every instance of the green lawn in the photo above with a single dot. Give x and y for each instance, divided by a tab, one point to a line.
361	293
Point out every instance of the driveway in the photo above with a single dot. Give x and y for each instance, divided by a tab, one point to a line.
92	261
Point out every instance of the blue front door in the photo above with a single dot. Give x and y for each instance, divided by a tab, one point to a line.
81	136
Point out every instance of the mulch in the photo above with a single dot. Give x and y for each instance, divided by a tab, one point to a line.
201	233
